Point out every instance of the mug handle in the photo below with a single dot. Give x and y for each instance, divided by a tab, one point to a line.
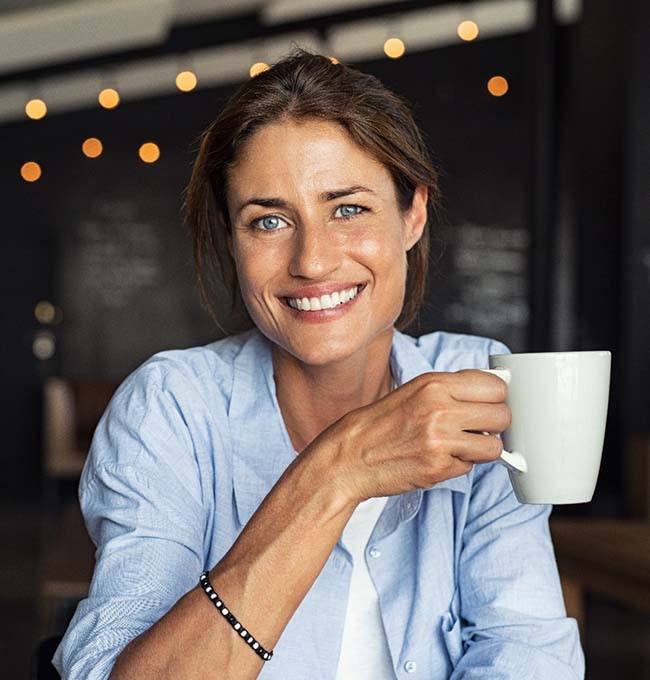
511	459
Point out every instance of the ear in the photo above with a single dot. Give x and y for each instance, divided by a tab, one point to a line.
415	217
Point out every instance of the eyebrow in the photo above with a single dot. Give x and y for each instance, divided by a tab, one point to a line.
323	196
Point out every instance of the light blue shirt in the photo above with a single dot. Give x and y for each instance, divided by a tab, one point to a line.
191	443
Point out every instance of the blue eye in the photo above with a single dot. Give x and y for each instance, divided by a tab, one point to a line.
273	222
268	222
346	214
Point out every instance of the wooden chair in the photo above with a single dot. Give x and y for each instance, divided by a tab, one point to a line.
608	557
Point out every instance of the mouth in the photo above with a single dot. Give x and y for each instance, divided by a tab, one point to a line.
326	303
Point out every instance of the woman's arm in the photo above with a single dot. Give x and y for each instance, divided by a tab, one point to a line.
142	496
259	579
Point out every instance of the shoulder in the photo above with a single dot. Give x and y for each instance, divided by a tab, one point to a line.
174	394
197	370
447	351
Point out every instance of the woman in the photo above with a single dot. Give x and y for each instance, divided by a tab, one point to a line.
348	529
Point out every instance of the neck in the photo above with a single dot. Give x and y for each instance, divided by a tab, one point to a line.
311	398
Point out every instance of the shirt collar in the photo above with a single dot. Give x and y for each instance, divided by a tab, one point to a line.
262	448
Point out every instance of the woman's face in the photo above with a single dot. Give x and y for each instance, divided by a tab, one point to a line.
313	213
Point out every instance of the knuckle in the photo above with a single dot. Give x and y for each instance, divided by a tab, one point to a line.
500	386
441	417
507	416
437	448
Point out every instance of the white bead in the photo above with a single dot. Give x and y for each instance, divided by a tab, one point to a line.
255	645
237	626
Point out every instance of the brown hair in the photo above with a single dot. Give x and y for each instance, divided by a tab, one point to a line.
304	85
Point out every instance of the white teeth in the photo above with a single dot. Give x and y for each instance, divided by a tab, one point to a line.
327	301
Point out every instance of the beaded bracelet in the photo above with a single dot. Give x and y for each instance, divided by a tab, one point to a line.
216	601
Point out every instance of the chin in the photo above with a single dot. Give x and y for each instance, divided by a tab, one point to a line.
326	351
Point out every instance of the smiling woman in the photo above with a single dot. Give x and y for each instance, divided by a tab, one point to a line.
322	479
356	118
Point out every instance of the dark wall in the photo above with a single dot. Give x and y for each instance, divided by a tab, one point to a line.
636	242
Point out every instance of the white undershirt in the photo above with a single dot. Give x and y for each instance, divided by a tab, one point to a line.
364	648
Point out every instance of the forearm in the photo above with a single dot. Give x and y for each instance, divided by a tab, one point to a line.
263	578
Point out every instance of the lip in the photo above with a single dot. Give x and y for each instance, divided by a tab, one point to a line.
324	314
324	289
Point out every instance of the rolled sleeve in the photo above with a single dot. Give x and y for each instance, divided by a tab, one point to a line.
141	500
514	622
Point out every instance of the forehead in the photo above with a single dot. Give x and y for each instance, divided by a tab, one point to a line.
308	154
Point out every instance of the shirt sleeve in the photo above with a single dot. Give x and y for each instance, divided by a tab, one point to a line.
514	623
140	495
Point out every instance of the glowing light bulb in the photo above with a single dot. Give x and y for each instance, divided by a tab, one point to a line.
108	98
257	68
35	109
497	86
467	30
30	171
394	48
44	312
92	147
149	152
186	81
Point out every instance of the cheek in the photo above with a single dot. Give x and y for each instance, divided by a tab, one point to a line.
381	252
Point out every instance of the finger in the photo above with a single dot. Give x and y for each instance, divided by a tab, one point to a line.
481	417
476	448
470	384
458	468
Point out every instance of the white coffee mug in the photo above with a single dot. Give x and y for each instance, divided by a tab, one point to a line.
554	444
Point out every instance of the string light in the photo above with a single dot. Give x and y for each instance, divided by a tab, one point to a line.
108	98
92	147
497	86
35	109
186	81
44	345
257	68
467	30
149	152
394	48
44	312
30	171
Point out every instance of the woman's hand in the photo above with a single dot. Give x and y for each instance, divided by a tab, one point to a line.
428	430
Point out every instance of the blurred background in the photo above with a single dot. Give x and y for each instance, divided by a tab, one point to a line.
538	114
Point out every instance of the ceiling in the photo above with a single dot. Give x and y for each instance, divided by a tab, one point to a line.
65	50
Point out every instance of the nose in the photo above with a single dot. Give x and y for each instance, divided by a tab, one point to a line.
315	252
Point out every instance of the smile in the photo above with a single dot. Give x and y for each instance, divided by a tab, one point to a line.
316	304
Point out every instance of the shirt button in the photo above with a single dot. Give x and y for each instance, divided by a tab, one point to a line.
375	552
410	666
